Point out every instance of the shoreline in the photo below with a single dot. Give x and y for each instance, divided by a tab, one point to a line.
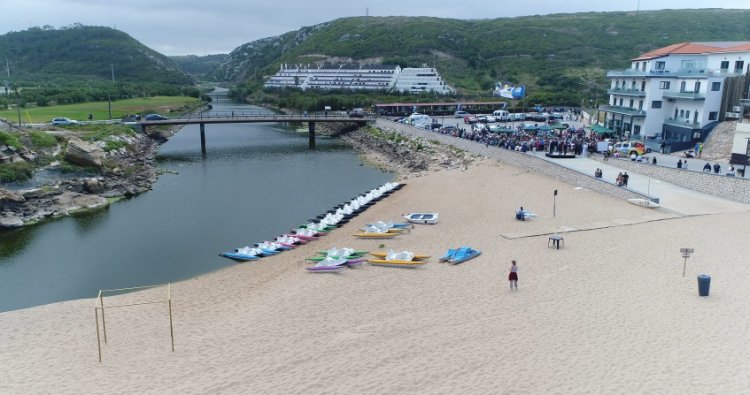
32	206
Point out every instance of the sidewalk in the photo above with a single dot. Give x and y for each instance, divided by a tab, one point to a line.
672	197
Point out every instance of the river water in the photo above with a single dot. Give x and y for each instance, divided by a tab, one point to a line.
257	181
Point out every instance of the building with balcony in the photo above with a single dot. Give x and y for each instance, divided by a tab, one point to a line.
678	93
356	77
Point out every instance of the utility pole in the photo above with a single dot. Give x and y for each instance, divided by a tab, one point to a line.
18	97
109	97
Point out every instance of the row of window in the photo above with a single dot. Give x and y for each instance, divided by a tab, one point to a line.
691	64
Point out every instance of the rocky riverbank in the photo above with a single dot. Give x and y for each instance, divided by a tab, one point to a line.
406	156
122	166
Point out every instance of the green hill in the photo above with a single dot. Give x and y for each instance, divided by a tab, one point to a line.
553	53
76	64
75	55
199	65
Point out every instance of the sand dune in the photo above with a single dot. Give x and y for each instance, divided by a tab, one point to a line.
609	312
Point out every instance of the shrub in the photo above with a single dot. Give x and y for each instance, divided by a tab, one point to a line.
10	140
42	140
112	145
18	171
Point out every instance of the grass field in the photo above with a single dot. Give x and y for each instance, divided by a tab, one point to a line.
100	110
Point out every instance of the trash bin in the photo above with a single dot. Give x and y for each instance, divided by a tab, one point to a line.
704	283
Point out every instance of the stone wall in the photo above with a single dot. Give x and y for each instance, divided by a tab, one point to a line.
731	188
519	159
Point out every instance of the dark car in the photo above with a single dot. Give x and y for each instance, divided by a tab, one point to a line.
357	113
155	117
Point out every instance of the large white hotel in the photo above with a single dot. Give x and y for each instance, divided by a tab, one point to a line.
367	78
678	93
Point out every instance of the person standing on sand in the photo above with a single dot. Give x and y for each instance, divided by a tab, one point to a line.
513	275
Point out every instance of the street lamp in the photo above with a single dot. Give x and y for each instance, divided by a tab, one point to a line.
685	254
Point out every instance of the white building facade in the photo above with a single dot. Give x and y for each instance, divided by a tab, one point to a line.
365	78
675	93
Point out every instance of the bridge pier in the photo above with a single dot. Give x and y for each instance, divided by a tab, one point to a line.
311	135
203	139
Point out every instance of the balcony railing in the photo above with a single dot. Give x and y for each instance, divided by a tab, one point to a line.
627	92
624	111
695	72
682	122
684	95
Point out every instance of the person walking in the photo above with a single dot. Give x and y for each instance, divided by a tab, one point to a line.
513	275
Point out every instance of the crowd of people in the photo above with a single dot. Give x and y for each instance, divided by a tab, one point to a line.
564	141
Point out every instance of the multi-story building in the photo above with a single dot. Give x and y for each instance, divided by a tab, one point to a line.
419	80
678	93
355	77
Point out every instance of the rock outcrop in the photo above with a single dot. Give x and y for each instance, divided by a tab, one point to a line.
82	153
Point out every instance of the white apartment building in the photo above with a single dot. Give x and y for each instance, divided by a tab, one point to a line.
354	77
421	79
677	93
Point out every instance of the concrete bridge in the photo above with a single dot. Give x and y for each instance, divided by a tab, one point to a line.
258	117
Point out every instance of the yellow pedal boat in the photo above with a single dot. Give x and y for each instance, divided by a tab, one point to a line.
395	263
382	255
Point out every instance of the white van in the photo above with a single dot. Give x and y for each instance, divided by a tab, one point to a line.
417	118
500	115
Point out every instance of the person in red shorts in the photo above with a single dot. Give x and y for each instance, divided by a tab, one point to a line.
513	275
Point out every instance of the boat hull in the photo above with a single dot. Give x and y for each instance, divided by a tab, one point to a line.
382	255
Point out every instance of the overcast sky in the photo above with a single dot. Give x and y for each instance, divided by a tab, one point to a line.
202	27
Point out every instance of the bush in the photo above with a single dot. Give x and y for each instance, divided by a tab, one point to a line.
43	140
113	145
19	171
10	140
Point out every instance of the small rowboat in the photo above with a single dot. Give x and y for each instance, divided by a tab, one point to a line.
422	218
395	263
382	255
375	235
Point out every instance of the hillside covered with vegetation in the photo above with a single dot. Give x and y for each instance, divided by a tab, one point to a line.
198	66
553	55
76	63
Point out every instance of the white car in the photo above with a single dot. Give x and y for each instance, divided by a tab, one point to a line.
64	121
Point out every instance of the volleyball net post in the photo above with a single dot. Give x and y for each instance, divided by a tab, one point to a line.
99	311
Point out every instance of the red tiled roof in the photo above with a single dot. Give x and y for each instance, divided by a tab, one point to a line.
696	48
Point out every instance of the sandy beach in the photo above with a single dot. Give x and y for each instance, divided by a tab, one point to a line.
610	312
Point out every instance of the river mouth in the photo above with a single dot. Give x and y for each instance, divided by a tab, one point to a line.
256	181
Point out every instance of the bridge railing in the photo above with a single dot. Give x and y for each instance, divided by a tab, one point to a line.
269	116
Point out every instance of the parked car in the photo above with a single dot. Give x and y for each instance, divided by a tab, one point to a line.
64	121
357	113
631	147
460	114
155	117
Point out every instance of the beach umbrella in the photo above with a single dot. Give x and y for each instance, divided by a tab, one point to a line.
559	126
